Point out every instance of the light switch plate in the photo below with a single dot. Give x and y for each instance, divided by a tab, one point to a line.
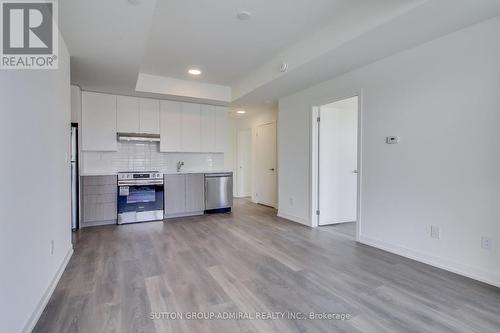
485	243
392	140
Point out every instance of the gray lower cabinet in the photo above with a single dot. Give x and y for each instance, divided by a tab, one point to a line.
98	200
184	194
195	192
175	194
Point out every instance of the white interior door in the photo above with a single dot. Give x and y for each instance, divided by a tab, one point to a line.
266	164
244	162
338	162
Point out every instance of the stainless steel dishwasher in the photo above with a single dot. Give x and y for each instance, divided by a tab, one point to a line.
218	192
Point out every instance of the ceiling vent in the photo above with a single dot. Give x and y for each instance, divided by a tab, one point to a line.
135	2
243	15
283	67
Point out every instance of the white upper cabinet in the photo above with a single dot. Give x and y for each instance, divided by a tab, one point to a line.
149	116
127	118
98	122
138	115
170	126
207	128
183	127
191	127
221	130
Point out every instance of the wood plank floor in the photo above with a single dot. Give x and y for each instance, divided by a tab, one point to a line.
251	261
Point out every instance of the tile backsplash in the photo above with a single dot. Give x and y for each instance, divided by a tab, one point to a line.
140	156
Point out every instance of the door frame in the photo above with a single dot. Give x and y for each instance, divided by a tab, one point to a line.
314	167
254	167
75	125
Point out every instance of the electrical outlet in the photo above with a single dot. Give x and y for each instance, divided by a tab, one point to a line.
435	232
52	247
485	243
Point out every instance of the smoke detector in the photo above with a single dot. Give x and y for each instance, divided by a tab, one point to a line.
283	67
243	15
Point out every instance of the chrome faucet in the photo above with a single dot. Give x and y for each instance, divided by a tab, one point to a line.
179	165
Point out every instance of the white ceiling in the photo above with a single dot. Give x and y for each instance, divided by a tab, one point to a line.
112	41
207	34
106	40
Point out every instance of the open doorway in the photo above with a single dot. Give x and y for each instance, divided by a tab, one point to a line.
336	161
244	161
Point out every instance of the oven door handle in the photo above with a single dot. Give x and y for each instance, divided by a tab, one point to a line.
138	182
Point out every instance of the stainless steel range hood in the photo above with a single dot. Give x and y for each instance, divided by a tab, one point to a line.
141	137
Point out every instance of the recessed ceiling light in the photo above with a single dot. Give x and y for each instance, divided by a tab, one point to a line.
135	2
241	111
194	71
243	15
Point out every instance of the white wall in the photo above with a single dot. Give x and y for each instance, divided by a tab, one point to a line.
252	121
442	99
76	104
35	190
185	88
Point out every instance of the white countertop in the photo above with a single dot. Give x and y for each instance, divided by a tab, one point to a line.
169	172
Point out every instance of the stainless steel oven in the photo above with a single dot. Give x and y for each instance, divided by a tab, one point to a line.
140	196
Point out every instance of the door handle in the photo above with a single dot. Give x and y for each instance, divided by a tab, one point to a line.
355	171
272	169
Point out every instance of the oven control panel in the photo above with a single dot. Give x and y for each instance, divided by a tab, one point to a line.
139	175
142	175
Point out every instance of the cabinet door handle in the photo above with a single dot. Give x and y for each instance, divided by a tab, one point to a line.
272	169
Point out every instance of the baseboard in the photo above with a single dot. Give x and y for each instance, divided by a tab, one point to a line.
294	218
30	325
448	265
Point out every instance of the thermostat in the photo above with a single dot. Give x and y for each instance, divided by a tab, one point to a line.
392	140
